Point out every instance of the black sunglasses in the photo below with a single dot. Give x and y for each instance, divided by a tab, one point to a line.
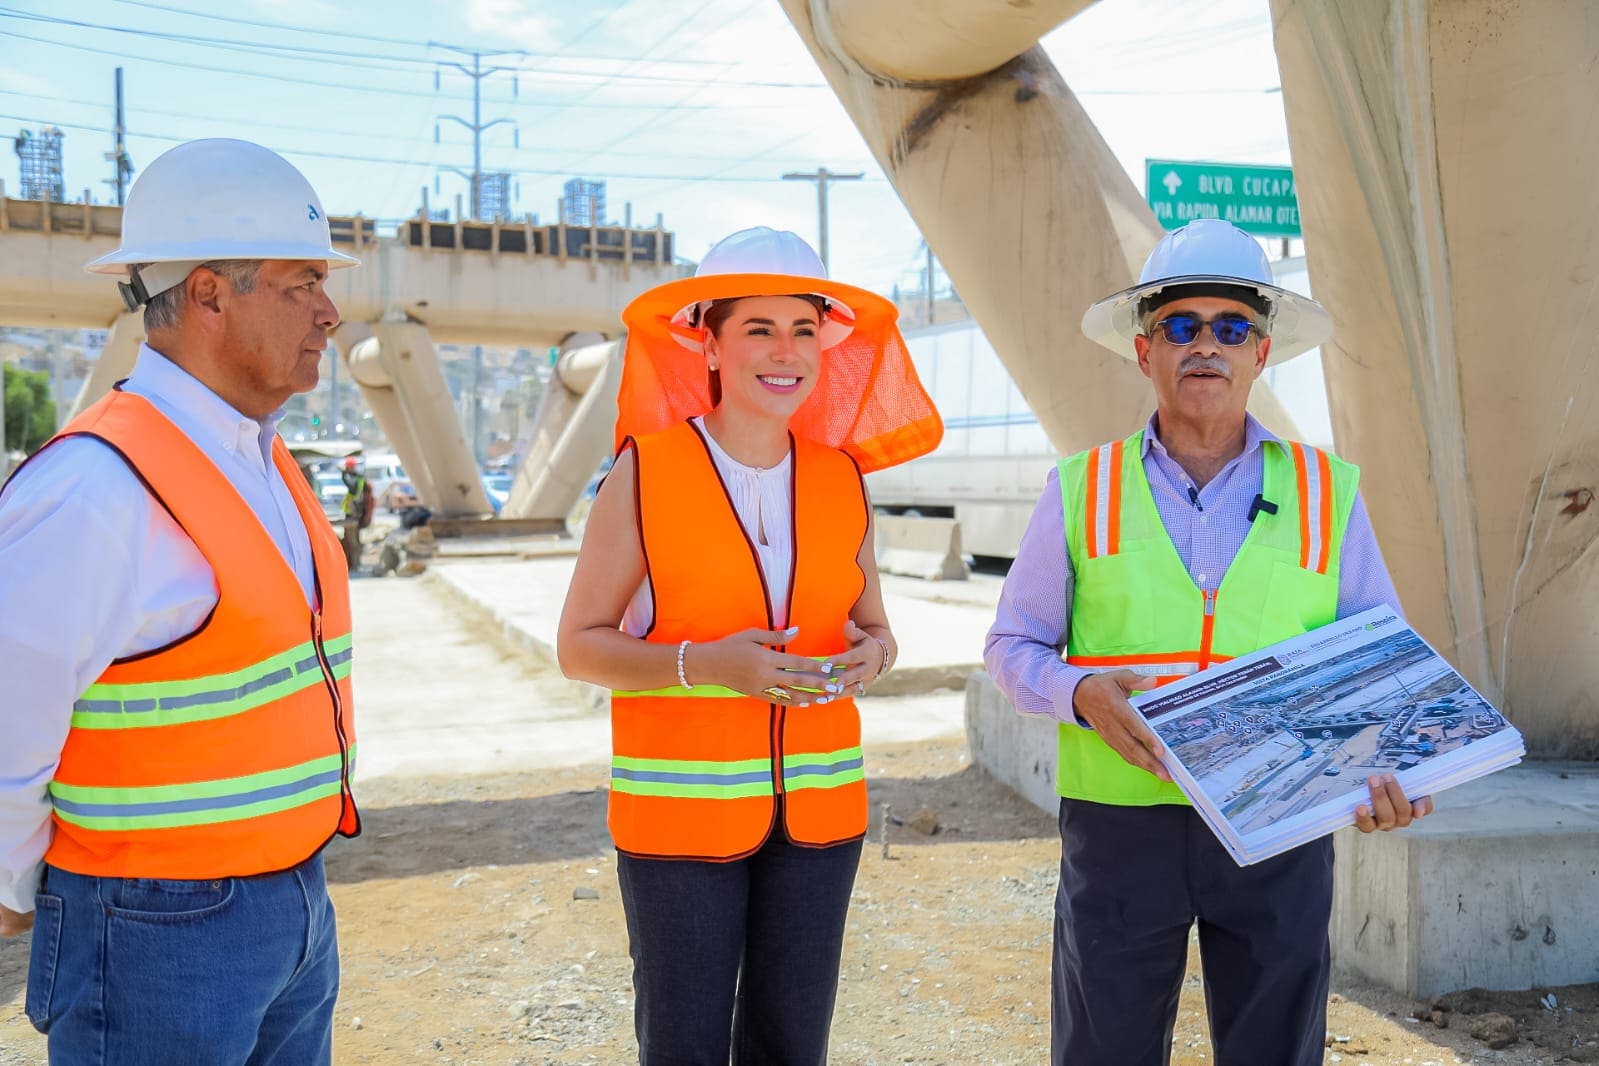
1230	329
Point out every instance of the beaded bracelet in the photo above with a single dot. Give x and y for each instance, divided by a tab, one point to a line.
681	648
883	666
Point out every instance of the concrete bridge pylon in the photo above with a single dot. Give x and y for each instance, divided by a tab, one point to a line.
1446	154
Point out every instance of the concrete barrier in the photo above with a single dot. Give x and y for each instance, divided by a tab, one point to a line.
915	546
1018	750
1499	889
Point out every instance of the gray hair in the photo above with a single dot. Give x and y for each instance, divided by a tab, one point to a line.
165	309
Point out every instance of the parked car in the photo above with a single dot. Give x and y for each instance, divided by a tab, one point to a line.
387	478
330	490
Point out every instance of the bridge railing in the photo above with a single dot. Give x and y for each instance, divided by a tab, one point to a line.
593	244
48	216
528	238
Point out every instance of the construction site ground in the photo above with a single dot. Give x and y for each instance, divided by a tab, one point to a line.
478	912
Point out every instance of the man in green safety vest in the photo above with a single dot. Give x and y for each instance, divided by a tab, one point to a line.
1199	538
357	510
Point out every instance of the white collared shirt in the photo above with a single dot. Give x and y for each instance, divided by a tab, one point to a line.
93	569
763	500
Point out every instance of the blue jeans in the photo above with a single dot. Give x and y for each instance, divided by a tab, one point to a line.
141	972
737	957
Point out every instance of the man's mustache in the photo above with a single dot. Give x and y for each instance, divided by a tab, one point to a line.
1194	363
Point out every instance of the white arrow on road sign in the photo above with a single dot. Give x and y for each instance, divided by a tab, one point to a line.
1172	182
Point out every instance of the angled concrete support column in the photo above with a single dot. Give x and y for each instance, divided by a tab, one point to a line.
571	430
1015	190
1446	153
116	360
418	416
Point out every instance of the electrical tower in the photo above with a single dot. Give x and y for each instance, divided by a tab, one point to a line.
583	202
40	154
477	72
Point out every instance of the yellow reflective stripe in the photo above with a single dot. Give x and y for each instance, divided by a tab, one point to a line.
199	802
161	703
715	692
823	769
692	778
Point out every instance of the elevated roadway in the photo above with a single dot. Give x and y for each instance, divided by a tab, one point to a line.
512	284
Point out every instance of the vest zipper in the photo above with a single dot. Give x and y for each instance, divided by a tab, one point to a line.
1209	628
777	750
345	792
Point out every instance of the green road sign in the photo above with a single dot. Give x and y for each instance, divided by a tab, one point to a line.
1260	200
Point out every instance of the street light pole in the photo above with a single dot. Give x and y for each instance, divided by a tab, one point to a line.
821	176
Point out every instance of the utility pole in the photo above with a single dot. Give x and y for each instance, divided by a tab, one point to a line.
333	391
821	177
477	404
122	166
477	73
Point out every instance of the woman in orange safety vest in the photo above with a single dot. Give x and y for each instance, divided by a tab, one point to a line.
727	594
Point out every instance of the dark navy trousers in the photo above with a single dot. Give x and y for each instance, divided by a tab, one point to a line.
737	958
1133	880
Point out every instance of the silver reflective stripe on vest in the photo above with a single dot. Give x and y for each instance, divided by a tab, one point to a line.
1155	669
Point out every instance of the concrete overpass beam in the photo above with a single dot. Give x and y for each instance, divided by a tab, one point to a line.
1020	197
116	360
571	429
951	39
420	421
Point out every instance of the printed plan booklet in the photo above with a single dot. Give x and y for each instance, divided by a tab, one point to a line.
1274	748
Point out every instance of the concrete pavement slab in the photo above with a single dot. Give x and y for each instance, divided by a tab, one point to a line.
939	625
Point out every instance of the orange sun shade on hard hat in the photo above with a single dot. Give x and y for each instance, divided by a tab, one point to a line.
868	400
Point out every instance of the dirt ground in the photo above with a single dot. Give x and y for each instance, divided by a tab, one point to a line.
479	920
463	942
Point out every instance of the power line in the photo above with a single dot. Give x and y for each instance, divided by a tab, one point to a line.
389	138
377	39
580	102
386	61
681	104
532	171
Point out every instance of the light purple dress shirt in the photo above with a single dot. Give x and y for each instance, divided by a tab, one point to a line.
1023	648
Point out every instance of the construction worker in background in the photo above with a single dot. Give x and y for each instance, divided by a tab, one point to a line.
357	510
727	591
175	639
1199	538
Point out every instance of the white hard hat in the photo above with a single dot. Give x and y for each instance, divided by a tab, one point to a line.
216	198
762	252
1205	253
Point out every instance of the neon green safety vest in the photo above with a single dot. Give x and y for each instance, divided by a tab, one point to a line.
1135	607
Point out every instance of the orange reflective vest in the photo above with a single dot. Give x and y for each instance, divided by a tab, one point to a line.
701	773
227	752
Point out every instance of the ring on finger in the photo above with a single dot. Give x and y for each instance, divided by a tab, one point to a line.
860	688
776	693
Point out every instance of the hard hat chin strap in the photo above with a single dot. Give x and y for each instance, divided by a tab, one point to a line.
146	281
133	291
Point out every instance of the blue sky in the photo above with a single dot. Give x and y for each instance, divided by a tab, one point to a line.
692	110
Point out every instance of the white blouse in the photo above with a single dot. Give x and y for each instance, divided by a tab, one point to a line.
763	502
